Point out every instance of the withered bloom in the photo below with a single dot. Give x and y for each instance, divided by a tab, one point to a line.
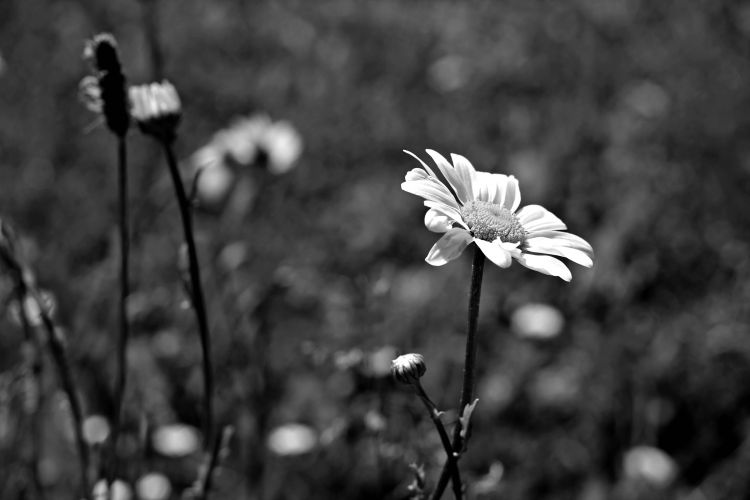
107	88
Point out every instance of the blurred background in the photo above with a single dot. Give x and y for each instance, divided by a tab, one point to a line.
629	119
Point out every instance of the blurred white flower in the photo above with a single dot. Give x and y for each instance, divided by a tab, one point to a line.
537	321
153	486
120	490
283	145
649	464
215	179
95	429
292	439
484	208
175	440
257	138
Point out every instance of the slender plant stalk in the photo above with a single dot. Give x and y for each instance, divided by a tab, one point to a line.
451	463
467	390
221	443
36	374
66	376
198	302
124	333
25	289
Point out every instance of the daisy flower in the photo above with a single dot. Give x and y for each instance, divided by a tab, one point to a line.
482	208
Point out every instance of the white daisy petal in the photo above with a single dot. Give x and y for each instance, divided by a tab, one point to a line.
551	246
449	212
437	222
466	173
501	186
463	192
428	169
484	186
449	247
496	253
430	189
546	265
535	218
416	174
512	194
569	239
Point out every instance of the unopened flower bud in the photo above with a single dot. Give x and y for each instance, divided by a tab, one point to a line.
408	368
157	108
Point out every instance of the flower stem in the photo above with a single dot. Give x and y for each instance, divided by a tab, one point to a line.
66	376
451	463
220	447
196	289
467	390
122	341
34	365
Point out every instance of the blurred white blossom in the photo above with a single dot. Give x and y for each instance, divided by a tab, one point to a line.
153	486
649	464
292	439
95	429
175	440
120	490
537	321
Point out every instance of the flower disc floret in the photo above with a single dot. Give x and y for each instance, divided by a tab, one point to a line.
489	222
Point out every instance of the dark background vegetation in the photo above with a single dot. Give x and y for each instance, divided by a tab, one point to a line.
629	119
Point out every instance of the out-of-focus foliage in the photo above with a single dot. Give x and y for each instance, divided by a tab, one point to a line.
627	118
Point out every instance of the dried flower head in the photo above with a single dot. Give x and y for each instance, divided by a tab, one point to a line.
482	208
105	91
157	109
408	368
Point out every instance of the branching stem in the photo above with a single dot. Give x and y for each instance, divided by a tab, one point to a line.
467	390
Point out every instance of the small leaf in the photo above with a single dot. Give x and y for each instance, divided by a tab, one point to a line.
466	418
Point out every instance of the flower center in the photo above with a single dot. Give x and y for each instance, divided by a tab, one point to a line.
488	221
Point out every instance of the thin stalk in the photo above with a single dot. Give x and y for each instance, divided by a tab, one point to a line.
66	377
36	374
220	444
122	341
467	390
451	463
197	300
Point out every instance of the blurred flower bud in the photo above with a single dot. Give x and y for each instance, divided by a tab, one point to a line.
157	109
111	97
408	368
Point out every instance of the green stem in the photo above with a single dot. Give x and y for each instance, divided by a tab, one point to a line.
122	341
467	390
198	302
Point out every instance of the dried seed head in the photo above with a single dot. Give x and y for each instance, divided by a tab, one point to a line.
101	50
408	368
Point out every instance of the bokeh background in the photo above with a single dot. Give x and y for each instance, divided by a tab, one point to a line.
629	119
